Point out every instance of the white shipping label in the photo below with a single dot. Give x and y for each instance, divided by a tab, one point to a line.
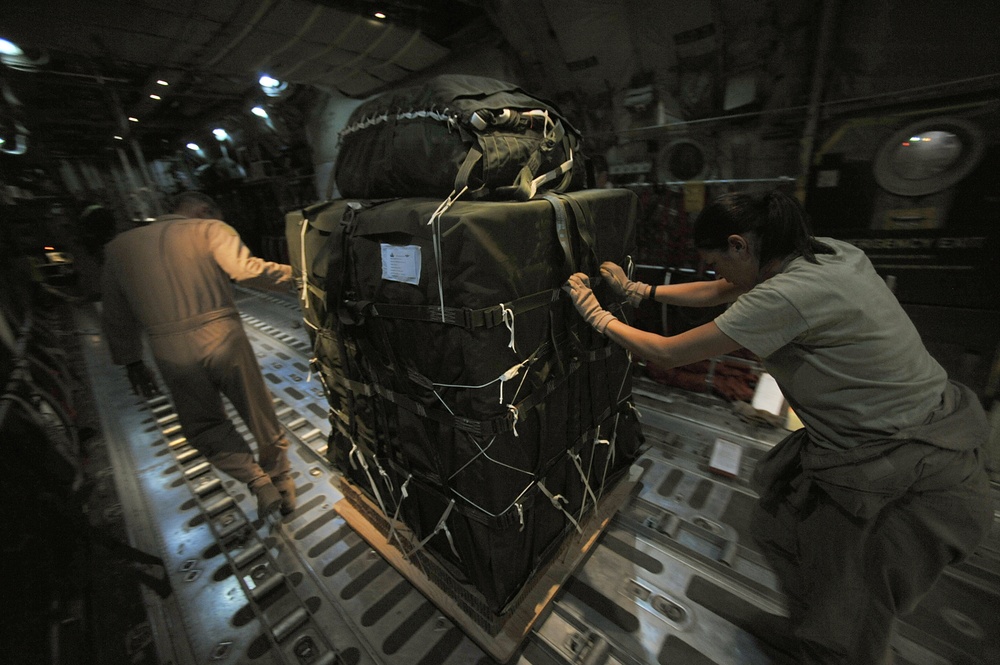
401	263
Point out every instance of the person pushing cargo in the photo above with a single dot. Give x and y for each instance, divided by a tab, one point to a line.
171	278
860	511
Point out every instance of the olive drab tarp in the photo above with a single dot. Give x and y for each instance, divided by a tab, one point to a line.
478	407
458	133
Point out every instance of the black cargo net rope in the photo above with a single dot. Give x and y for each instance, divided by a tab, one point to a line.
509	423
483	441
392	485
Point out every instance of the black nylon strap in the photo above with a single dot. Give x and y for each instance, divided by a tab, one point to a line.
311	213
562	231
602	353
488	317
528	173
462	178
489	427
585	229
522	183
569	144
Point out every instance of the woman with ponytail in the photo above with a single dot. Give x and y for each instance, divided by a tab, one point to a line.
862	509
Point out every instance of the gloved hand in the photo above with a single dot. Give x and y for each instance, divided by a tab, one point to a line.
578	288
633	292
142	379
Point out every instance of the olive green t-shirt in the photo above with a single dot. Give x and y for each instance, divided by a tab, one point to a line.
844	353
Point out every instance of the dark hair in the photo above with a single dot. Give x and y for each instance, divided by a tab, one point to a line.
776	220
193	198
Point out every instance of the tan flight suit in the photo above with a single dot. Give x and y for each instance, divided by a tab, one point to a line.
172	279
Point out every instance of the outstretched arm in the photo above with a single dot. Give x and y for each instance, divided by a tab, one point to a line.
705	341
693	294
698	294
236	260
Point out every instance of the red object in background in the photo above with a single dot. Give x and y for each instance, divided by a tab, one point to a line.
730	380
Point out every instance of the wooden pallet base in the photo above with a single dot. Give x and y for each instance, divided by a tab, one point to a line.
499	636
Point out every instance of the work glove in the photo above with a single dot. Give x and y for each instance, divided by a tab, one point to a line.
578	288
142	379
633	292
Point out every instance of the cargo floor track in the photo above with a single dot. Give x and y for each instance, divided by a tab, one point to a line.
675	577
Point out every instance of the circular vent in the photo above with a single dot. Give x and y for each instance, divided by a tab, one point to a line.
928	156
681	160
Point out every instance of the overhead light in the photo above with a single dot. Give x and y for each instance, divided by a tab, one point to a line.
8	47
380	15
156	97
118	138
259	112
193	146
271	86
220	134
14	57
133	119
161	82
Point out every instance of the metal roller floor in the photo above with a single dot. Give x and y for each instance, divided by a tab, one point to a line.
674	579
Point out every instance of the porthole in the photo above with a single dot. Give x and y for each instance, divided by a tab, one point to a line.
682	161
928	156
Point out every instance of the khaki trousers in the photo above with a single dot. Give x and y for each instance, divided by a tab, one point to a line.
199	367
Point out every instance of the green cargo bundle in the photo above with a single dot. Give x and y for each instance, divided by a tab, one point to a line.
472	402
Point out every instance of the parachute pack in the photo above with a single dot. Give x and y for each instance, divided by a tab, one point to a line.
468	136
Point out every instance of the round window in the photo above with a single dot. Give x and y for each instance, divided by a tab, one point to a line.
928	156
681	161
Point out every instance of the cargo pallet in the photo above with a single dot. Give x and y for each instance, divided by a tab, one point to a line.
499	635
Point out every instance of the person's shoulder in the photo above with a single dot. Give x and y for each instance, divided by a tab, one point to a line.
126	236
801	279
207	223
836	252
839	248
219	226
122	246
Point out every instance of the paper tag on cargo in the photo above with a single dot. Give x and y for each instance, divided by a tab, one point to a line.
401	263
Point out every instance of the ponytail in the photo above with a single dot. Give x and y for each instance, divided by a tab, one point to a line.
788	227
